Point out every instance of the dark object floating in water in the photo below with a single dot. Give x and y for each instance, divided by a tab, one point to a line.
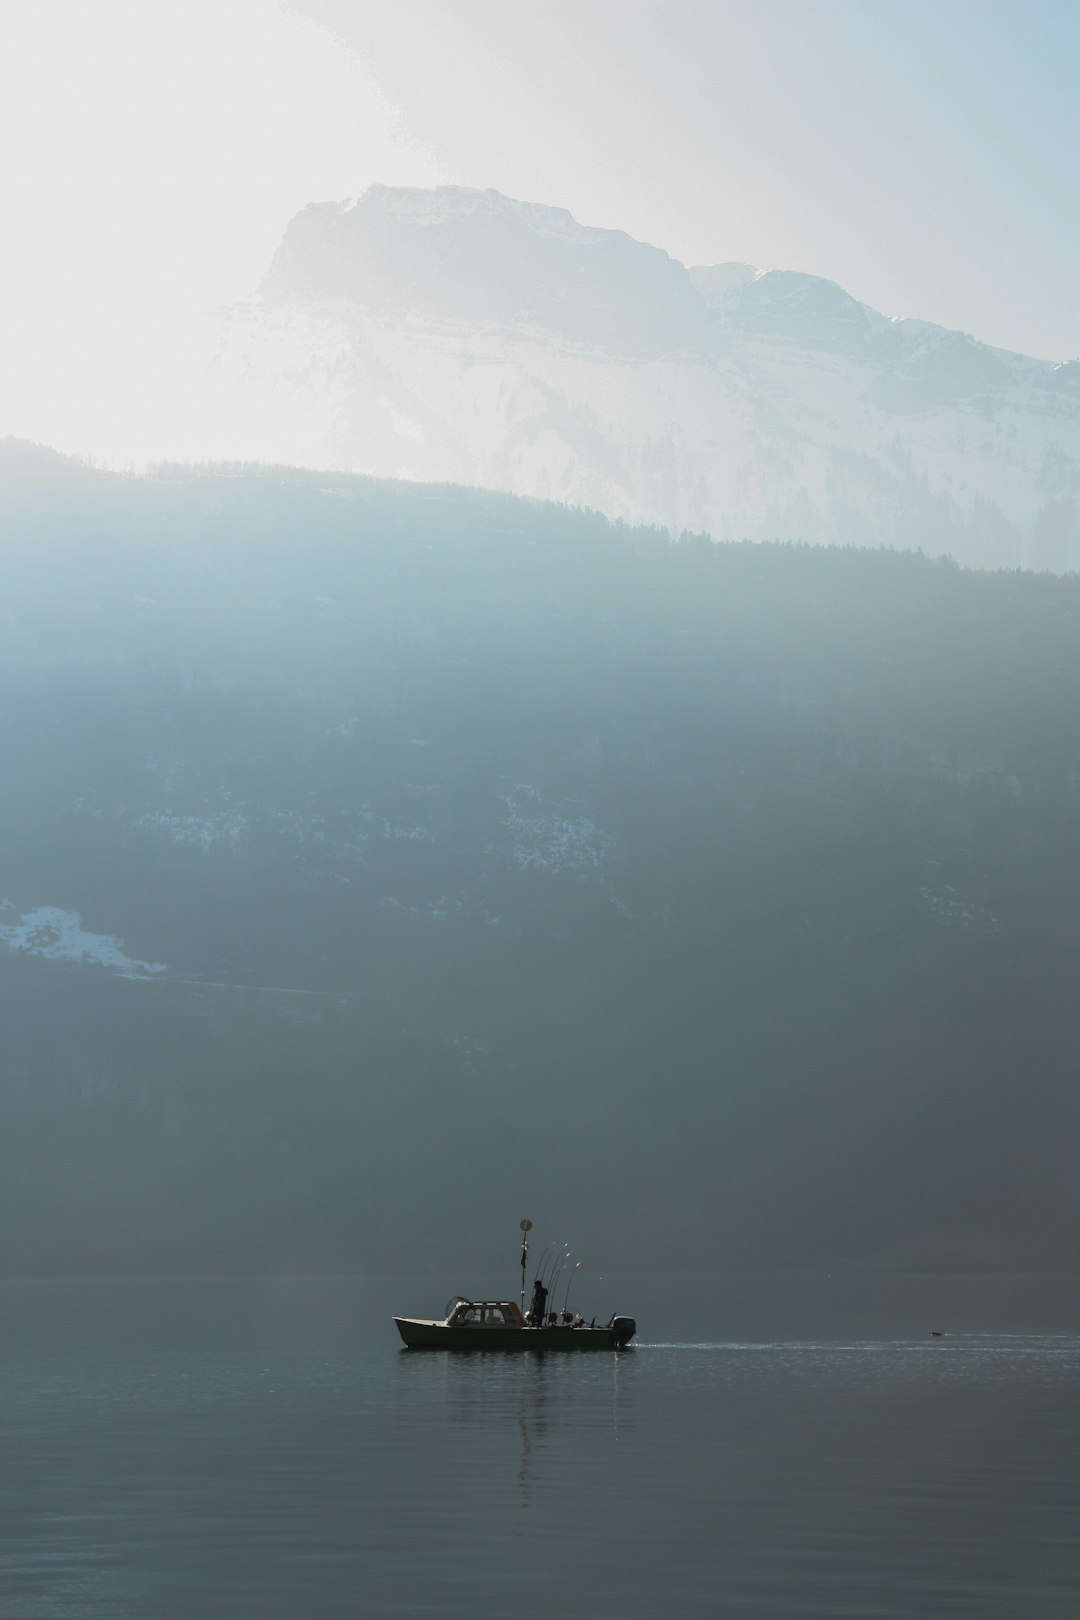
936	1333
502	1324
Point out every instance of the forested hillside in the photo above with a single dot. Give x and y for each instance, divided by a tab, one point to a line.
381	863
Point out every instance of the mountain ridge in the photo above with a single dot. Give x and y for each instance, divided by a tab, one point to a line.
442	205
461	336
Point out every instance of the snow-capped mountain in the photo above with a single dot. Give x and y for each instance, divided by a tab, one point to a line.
457	335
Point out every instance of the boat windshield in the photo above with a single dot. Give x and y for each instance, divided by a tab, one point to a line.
466	1316
498	1316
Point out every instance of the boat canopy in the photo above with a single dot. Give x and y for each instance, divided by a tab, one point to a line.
482	1313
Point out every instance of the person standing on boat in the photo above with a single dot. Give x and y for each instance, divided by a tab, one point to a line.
538	1304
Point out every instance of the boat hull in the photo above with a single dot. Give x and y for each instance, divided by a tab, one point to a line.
424	1335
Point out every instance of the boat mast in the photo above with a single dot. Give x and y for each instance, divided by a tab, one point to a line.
526	1228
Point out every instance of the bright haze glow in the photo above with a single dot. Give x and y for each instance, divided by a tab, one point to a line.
922	155
155	153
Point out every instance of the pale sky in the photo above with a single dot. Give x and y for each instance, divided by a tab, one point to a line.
924	155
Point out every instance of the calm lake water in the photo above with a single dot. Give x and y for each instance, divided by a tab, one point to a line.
770	1447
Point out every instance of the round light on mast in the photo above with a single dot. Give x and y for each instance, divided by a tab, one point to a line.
526	1226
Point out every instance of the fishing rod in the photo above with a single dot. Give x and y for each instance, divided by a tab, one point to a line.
551	1266
557	1273
543	1261
573	1273
538	1283
556	1267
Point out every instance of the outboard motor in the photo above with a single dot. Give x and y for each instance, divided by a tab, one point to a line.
623	1329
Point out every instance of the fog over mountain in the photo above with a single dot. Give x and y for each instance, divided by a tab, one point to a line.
384	862
458	335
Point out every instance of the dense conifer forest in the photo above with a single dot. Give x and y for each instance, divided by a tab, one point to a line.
582	865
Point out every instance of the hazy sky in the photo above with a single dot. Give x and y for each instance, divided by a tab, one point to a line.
922	154
925	155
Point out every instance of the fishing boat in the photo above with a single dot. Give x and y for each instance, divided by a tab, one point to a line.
504	1324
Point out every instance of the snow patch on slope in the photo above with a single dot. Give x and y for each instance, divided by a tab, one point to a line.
446	204
951	908
58	936
547	839
201	832
233	828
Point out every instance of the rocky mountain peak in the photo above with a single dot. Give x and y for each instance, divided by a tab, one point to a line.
479	256
457	335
